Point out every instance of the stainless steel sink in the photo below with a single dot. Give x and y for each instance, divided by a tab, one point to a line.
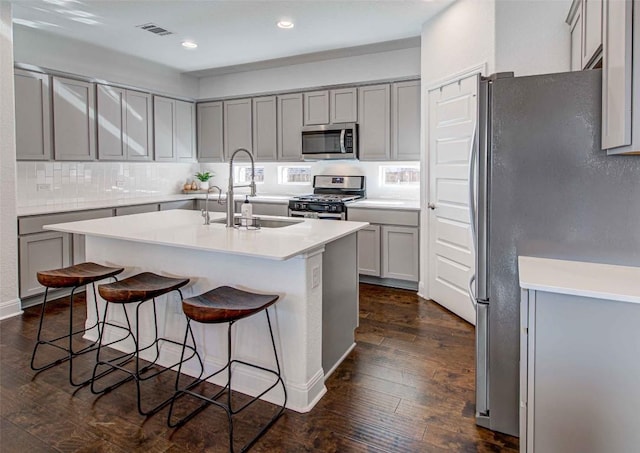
261	222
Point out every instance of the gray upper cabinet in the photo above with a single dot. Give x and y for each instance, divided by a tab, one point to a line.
237	127
33	115
173	129
575	23
210	127
405	120
111	111
185	122
289	127
592	30
344	105
374	120
621	78
265	141
164	136
138	126
74	121
316	108
124	124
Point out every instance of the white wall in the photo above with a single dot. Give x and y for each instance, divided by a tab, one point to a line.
9	301
69	55
362	68
532	36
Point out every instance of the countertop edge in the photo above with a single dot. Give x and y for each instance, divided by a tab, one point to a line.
579	278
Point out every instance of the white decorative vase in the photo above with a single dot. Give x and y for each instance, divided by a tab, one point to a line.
204	185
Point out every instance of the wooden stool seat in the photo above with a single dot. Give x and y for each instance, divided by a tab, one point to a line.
140	287
225	304
78	275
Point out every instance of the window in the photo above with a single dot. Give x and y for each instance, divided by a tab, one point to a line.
242	174
400	176
298	175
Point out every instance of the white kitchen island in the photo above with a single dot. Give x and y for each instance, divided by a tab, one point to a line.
312	265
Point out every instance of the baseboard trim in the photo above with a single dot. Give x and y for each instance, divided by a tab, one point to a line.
390	282
340	360
10	308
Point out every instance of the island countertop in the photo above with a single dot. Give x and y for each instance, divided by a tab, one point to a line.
185	229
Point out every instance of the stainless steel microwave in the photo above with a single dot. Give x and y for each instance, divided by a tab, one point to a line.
330	141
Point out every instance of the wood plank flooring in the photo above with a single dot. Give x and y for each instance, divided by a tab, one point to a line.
407	387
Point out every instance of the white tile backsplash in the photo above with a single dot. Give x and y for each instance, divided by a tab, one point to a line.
46	183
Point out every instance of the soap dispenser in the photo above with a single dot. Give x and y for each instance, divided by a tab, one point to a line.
246	211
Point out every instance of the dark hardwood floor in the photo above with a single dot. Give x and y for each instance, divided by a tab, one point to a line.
407	387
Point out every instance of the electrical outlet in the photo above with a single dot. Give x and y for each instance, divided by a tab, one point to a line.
119	182
44	187
315	277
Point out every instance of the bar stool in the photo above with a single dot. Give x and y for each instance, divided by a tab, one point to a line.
70	277
137	289
227	305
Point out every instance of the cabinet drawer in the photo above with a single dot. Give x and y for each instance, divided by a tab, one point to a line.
137	209
382	216
34	224
182	204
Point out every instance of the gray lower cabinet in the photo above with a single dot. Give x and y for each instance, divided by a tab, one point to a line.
579	373
73	119
265	143
289	125
258	208
41	251
400	253
316	107
369	251
343	105
210	131
237	127
405	120
181	204
214	206
374	119
33	115
124	124
389	247
136	209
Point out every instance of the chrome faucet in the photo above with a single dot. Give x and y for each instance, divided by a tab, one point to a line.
205	211
252	185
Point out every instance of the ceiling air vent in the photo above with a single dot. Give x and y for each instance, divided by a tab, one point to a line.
155	29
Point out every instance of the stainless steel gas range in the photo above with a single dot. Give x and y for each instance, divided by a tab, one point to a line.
330	197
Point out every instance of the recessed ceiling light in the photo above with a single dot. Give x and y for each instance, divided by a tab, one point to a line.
189	44
285	24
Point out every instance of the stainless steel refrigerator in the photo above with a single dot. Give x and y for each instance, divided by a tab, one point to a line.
542	187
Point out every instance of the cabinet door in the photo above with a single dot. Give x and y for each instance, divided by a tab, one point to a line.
163	131
237	127
405	120
110	109
39	252
369	251
185	128
400	253
290	127
592	29
264	128
210	126
33	115
138	126
373	112
344	105
576	41
617	74
316	108
137	209
182	204
73	120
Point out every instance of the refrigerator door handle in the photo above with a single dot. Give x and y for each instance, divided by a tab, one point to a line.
472	206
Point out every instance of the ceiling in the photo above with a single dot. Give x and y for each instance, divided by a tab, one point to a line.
228	33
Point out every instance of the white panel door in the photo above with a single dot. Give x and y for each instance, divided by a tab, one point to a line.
452	121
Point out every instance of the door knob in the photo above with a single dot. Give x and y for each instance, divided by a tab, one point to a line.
431	206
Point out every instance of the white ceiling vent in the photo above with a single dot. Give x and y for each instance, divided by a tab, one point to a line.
155	29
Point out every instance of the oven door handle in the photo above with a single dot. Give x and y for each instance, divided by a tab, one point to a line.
343	132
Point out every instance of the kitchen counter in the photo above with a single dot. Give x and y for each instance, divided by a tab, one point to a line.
185	229
311	265
602	281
